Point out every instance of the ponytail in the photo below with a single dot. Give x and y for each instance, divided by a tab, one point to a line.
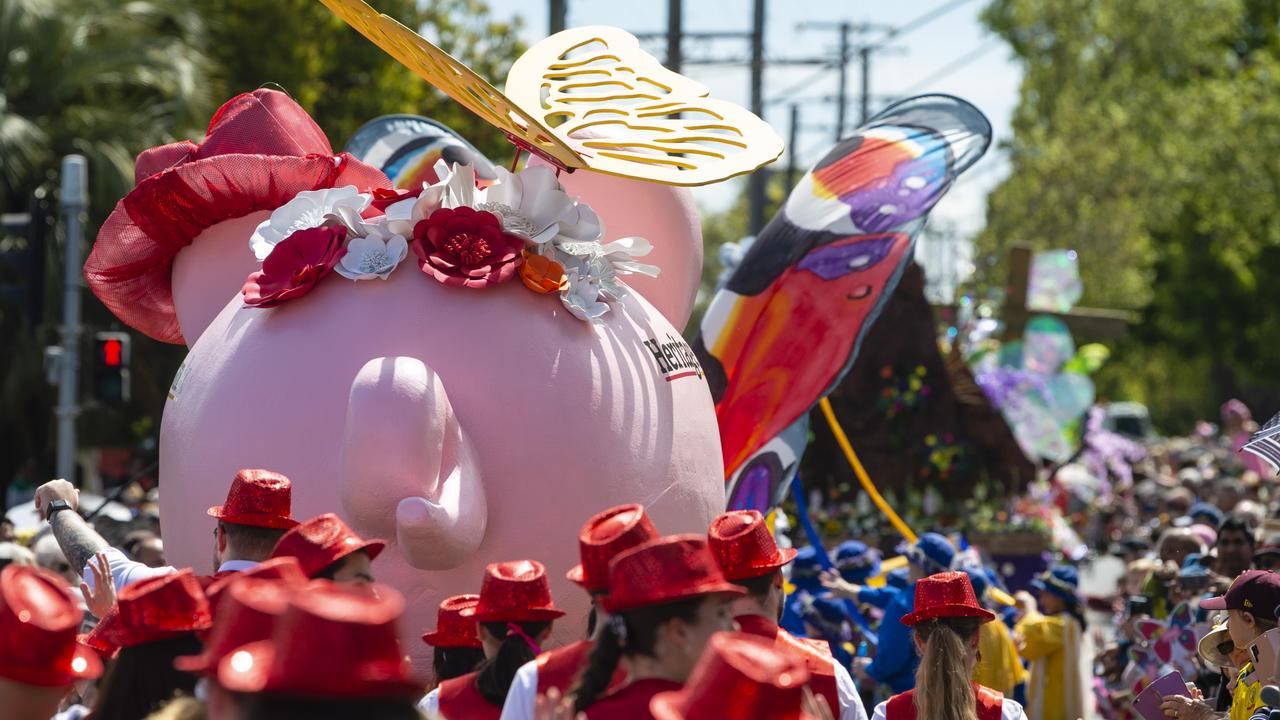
452	662
494	676
944	688
630	632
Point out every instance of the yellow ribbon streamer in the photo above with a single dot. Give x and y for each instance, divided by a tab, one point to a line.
843	441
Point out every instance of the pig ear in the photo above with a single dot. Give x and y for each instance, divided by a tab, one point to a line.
665	216
208	273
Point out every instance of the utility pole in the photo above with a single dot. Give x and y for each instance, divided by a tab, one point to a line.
793	137
74	200
864	101
756	184
559	13
841	92
675	28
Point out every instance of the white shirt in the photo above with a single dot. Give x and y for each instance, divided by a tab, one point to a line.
430	705
127	572
1009	710
524	694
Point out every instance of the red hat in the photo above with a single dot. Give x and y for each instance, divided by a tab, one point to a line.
514	591
452	629
603	537
260	498
744	547
284	569
38	624
322	541
331	642
738	676
1256	592
946	595
247	614
261	149
664	570
155	609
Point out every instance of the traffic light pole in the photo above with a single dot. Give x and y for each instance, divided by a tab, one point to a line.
74	201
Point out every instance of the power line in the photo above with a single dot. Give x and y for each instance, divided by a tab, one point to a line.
953	66
925	19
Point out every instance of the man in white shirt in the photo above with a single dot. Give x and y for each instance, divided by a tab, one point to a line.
257	512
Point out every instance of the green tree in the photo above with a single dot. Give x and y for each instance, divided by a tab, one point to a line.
343	79
1140	140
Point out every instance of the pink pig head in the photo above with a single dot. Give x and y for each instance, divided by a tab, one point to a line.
463	426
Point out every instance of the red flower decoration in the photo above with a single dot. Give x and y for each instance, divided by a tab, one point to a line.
466	247
384	198
295	265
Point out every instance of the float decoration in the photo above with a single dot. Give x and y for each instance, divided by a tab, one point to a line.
590	98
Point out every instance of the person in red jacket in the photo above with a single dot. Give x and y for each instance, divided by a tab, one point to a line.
749	556
604	536
456	648
666	599
945	626
513	618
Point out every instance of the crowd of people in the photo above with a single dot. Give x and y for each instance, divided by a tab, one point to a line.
730	623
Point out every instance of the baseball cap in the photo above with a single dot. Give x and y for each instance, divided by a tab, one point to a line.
1255	591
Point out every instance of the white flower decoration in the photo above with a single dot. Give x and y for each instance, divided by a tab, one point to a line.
604	263
456	188
374	255
308	209
581	295
530	203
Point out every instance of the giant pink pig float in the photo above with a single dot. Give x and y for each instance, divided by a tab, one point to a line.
463	425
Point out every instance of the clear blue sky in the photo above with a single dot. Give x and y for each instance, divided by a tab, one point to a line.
925	61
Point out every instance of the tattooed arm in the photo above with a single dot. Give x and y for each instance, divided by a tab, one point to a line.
80	542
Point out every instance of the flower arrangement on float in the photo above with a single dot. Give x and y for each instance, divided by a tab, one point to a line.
523	226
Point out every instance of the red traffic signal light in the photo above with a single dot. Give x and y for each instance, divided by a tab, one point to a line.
112	353
111	367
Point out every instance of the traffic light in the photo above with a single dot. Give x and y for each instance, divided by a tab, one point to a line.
111	367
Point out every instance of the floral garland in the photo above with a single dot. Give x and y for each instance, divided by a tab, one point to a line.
524	226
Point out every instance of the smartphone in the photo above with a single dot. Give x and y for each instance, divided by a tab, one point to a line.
1263	654
1138	605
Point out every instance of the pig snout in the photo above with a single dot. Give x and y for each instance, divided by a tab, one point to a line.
404	448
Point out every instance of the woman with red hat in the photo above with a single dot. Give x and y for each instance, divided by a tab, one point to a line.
945	626
666	599
513	618
329	550
154	622
603	537
457	648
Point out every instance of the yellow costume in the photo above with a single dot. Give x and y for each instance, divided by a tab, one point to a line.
1060	677
1246	698
998	666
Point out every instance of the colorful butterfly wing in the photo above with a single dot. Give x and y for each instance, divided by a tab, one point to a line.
786	327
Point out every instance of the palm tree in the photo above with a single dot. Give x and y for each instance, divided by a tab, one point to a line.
103	78
106	79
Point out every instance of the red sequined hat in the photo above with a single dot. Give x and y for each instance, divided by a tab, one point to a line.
946	595
664	570
452	629
38	624
247	614
744	547
260	498
285	569
322	541
155	609
738	677
603	537
514	591
261	149
331	642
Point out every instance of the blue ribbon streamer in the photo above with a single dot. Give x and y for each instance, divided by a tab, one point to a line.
810	532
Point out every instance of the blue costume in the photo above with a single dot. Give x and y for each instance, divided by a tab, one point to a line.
896	659
812	611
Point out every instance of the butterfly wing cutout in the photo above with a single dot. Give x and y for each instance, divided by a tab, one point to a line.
572	106
786	327
627	115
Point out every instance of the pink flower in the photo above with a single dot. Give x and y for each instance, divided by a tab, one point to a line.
466	247
294	266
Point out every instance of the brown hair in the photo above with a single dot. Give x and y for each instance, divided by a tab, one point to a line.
944	690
